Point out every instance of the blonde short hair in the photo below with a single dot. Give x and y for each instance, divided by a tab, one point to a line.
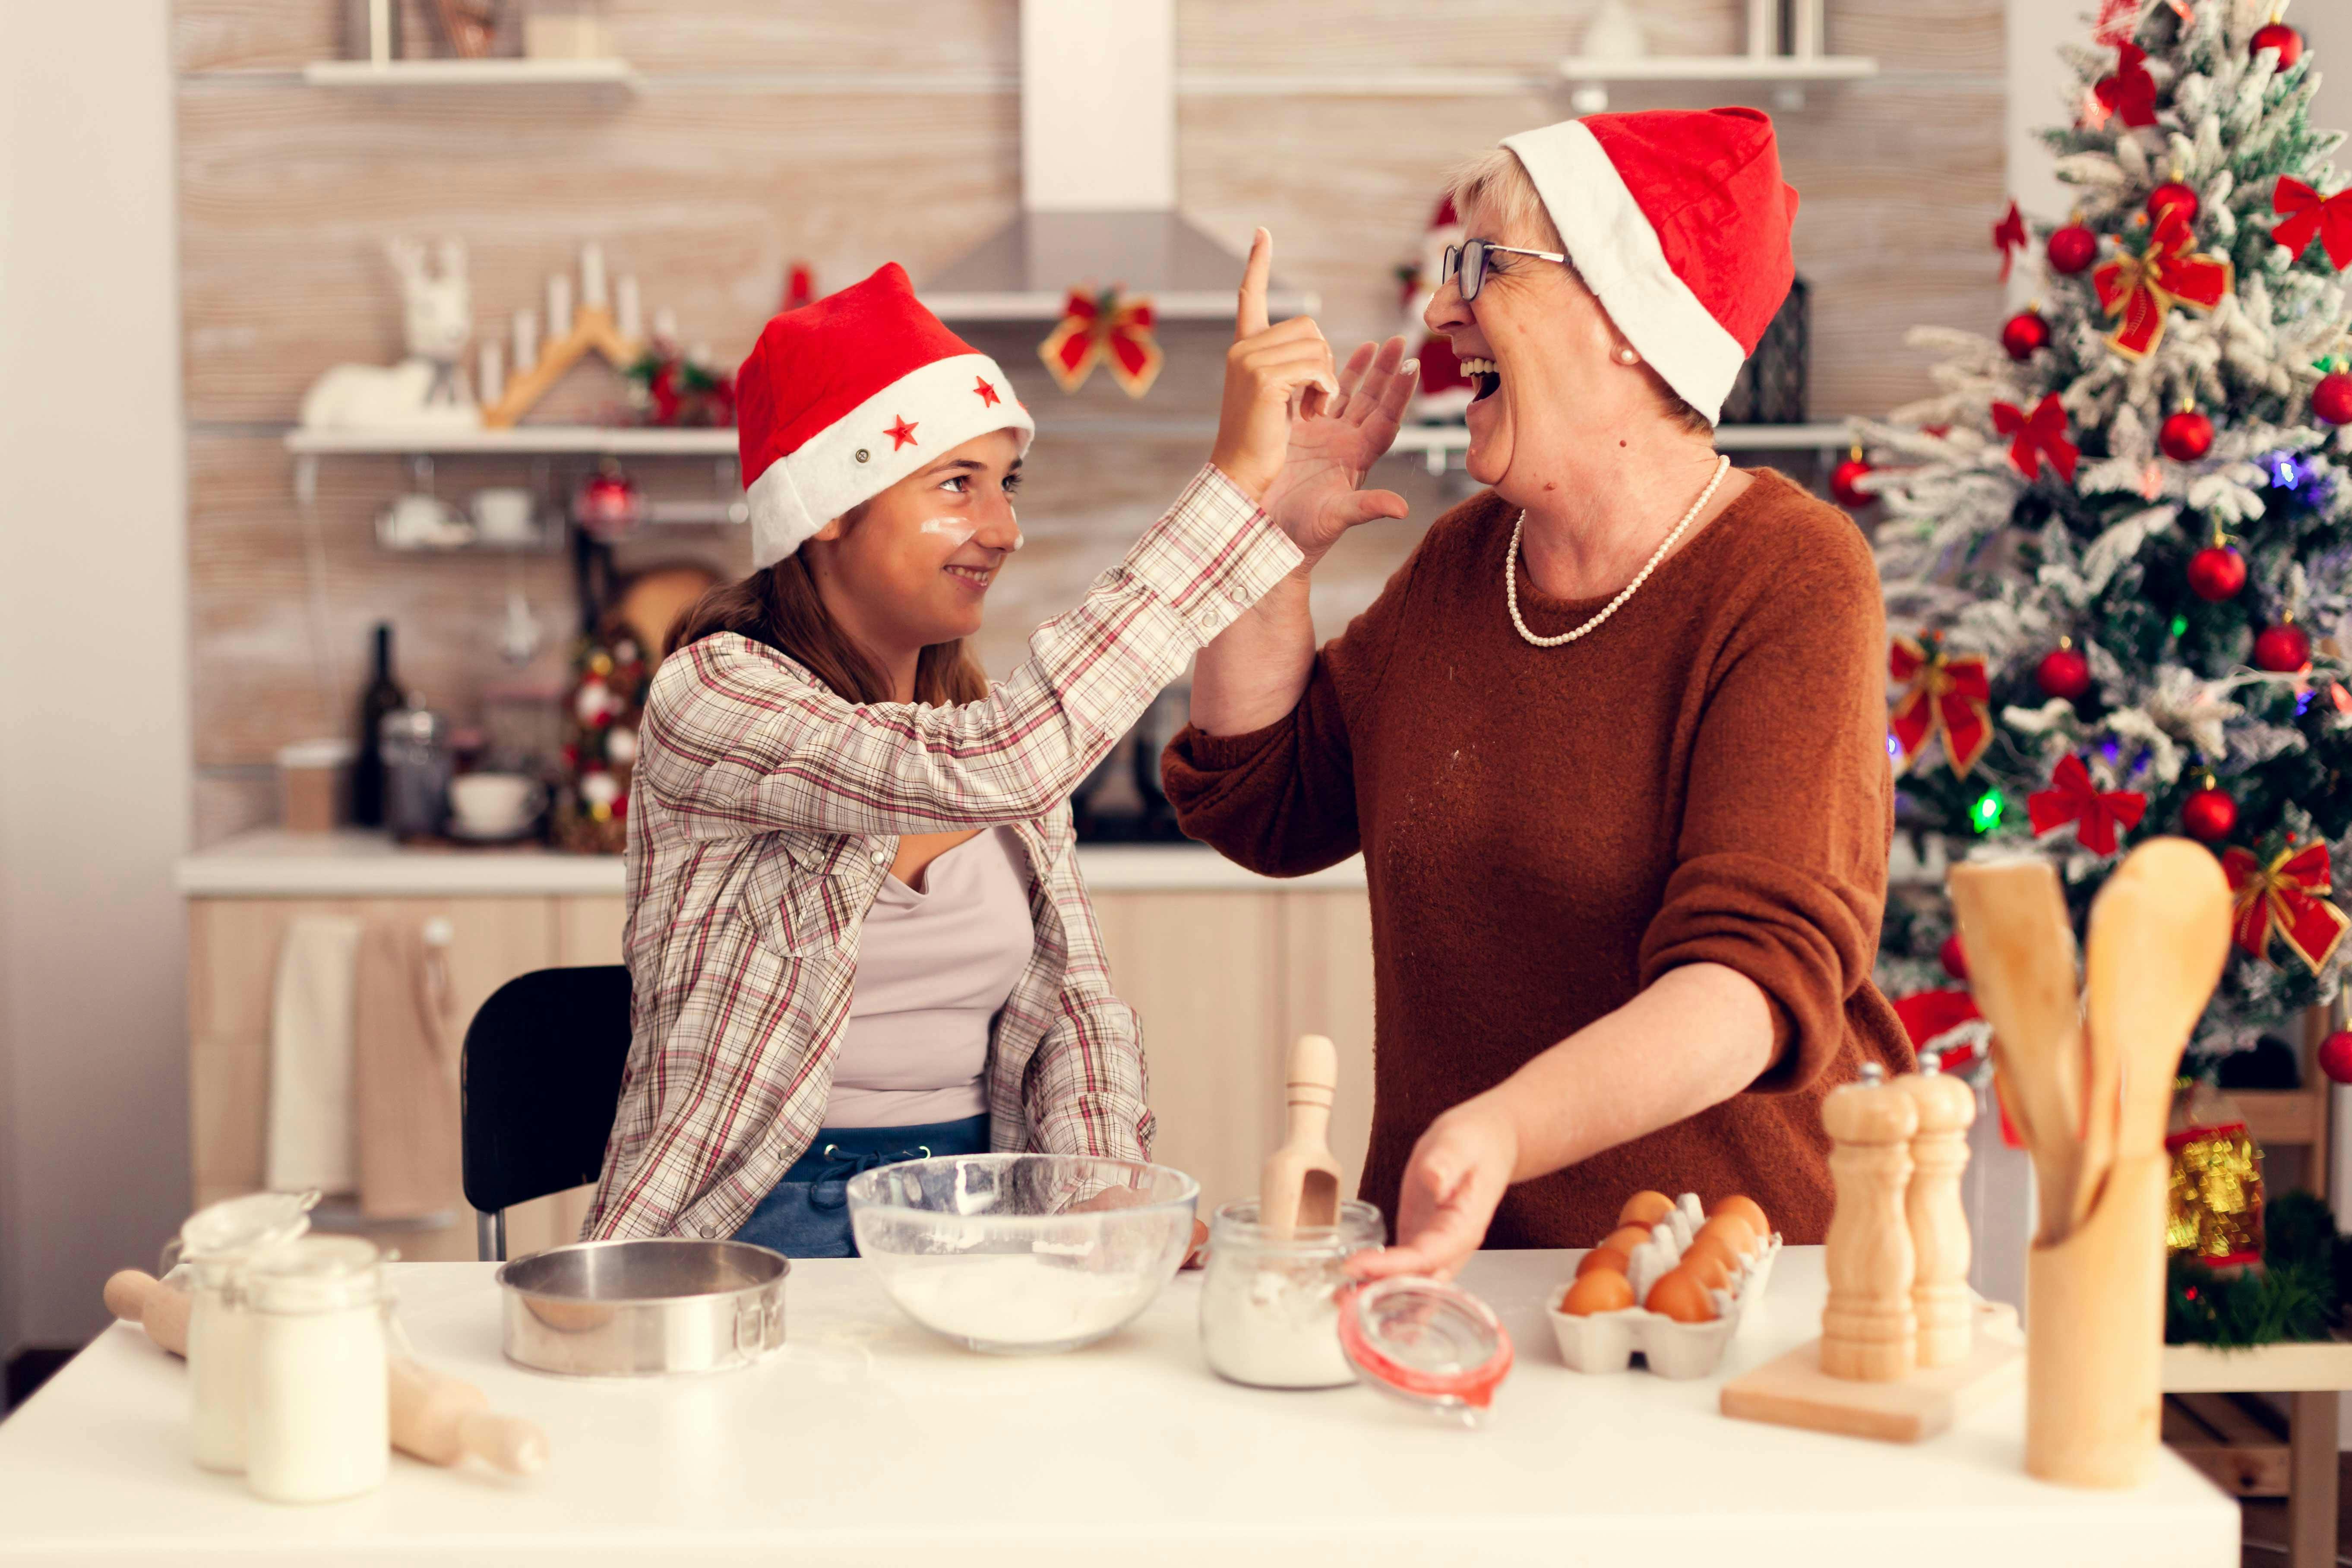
1497	183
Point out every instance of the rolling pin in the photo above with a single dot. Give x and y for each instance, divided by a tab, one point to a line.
435	1417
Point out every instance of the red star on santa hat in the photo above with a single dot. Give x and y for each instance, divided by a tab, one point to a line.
901	434
987	392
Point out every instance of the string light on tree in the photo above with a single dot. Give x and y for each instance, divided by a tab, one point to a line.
2063	671
1985	815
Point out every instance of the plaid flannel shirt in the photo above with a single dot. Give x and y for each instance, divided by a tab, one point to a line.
763	815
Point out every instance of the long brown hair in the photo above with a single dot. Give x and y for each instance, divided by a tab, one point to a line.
778	606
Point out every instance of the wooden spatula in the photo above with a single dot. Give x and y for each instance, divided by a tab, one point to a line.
1299	1184
2021	949
2159	935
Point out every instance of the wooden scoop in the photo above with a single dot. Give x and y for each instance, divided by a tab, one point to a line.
437	1418
1299	1183
2159	936
2021	949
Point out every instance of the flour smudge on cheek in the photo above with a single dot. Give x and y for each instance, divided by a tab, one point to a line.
955	529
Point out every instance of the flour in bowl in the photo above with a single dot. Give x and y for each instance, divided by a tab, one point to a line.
1018	1301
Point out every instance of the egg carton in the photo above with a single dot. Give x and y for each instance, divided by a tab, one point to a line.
1607	1341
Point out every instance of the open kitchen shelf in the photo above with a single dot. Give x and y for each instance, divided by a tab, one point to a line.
1438	443
1719	68
1171	306
594	440
461	73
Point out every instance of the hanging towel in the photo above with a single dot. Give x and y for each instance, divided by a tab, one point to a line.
310	1018
407	1073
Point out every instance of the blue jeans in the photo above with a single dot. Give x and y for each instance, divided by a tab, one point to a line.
807	1213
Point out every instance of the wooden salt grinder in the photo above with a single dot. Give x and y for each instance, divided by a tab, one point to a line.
1869	1331
1939	1226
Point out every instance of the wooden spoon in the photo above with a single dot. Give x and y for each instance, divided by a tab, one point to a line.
2159	936
2021	949
1299	1183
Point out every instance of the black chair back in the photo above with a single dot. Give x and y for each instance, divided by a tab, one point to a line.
540	1083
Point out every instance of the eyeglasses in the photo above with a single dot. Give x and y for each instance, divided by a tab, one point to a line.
1469	260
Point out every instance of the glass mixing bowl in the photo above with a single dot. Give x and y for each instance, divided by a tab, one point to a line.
1022	1253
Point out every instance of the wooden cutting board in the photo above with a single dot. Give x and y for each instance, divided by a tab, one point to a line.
1792	1390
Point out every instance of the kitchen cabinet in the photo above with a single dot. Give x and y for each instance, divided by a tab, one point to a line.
1223	978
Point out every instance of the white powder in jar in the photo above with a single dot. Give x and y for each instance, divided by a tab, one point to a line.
318	1426
220	1373
1019	1301
1275	1327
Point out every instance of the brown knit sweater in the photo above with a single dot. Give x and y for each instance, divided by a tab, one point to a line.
1546	831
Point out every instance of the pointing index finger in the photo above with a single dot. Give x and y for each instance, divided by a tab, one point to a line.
1249	319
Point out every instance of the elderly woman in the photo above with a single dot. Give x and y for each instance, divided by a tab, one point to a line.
1611	742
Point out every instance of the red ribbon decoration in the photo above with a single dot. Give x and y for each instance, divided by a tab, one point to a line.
1941	695
2095	813
2038	434
2305	214
2288	899
2143	288
1107	326
2009	238
2130	93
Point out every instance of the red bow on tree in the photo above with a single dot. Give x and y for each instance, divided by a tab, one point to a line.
2130	94
2009	238
2303	214
2095	813
1940	695
2117	18
1106	326
2038	434
2146	288
2143	288
2288	899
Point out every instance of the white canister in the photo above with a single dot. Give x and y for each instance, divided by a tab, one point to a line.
218	1244
318	1426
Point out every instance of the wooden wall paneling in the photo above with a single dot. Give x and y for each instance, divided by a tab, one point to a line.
588	929
1326	940
1203	971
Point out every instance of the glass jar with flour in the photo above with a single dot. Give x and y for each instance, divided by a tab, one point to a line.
320	1423
1269	1315
214	1250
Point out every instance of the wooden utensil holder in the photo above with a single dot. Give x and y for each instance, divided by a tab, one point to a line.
2094	1337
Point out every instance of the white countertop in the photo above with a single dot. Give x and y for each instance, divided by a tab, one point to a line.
867	1440
354	863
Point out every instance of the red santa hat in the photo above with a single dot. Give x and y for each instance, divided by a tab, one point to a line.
1679	222
842	399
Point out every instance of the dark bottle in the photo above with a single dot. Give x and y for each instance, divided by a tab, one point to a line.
382	695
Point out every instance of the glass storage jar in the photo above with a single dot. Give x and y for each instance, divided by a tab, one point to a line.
214	1249
1269	1312
320	1423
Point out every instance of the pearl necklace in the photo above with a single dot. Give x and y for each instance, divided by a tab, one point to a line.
1511	568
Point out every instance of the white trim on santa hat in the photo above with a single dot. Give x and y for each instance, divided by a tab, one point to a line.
855	459
1609	239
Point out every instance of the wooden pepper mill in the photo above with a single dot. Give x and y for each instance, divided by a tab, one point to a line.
1939	1226
1869	1329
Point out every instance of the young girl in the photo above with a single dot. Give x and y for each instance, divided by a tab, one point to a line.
857	930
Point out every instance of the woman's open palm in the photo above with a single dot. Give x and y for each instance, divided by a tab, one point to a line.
1315	499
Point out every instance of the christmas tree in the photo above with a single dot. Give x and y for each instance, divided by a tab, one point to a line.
2117	547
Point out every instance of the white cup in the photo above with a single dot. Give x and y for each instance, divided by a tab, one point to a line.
491	804
419	521
505	516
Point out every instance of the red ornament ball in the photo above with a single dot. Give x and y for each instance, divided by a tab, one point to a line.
1953	957
2065	672
2024	333
2336	1057
2172	195
2280	37
1842	484
2282	648
2186	436
2210	814
2216	572
2332	399
2074	247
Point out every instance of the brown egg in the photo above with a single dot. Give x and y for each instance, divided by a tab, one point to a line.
1747	1209
1734	1232
1682	1295
1601	1258
1646	1208
1718	1245
1627	1238
1603	1290
1705	1265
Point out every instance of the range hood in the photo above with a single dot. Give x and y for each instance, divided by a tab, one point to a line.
1097	179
